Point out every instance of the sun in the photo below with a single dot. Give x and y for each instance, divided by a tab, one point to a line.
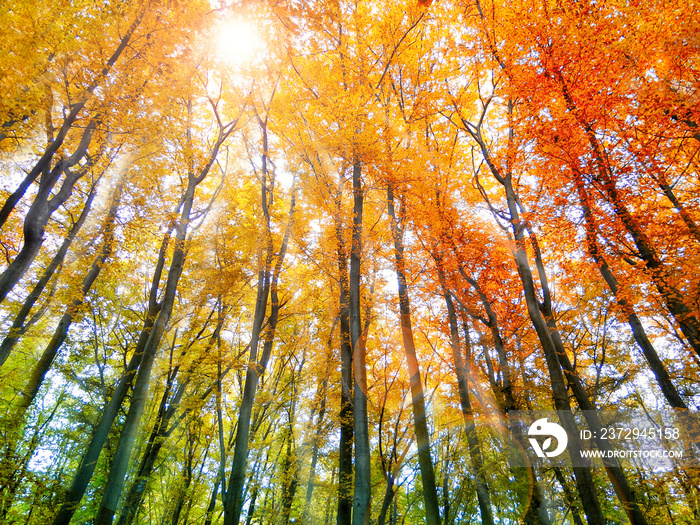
238	42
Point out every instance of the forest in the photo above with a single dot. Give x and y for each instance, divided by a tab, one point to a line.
296	261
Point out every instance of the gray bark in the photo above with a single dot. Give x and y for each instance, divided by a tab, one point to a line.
42	367
69	120
267	286
42	209
363	491
109	412
20	324
345	467
652	357
115	480
420	419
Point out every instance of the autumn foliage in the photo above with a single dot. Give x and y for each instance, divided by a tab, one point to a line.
296	261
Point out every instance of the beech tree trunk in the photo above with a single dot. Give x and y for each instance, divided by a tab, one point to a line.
162	429
477	460
345	467
42	367
267	286
20	324
420	419
120	461
652	357
584	480
42	209
363	489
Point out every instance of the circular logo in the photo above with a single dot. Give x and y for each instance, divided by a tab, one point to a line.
542	427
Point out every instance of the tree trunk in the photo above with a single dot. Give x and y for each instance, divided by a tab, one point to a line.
612	466
345	467
19	326
41	210
115	480
482	491
363	490
655	364
45	162
420	419
42	367
161	430
267	286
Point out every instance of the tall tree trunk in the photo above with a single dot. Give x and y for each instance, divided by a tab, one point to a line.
655	364
31	389
115	479
612	466
44	162
420	419
482	490
363	490
20	324
267	286
584	480
345	467
162	429
42	209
